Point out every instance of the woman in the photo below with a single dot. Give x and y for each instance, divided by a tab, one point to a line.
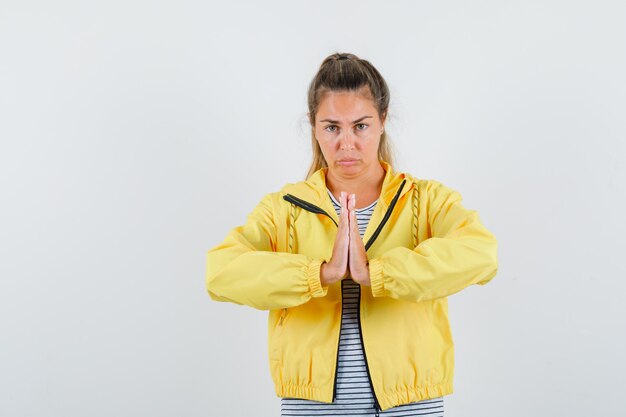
354	264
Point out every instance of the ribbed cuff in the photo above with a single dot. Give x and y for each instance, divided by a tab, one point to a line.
376	277
314	279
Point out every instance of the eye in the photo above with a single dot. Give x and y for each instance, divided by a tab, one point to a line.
326	128
362	124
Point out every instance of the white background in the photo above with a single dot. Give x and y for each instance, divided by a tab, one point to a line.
134	135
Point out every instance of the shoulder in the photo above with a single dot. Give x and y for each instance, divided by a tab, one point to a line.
274	201
437	187
429	185
270	200
432	189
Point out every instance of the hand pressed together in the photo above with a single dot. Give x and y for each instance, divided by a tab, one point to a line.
349	258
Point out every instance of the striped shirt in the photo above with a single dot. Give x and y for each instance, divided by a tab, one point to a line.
354	392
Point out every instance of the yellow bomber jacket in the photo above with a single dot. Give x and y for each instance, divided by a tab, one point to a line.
422	246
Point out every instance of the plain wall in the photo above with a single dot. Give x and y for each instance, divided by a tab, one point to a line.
135	135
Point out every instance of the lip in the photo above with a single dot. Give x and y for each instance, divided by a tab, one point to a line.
347	162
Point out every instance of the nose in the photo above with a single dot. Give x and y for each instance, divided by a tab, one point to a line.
347	140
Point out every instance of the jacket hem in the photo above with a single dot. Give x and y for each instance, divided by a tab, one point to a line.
306	392
387	399
394	398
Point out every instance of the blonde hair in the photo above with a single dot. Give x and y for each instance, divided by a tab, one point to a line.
341	72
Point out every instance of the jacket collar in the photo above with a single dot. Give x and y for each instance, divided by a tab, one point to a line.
314	190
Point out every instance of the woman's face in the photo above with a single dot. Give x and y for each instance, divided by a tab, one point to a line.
348	130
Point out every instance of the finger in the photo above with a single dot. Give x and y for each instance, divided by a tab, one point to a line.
349	207
353	221
345	217
351	204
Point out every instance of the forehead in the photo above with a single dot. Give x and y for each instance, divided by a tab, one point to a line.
345	104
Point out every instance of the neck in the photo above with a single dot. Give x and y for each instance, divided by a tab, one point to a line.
365	183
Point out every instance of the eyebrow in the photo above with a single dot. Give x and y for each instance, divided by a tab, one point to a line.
336	121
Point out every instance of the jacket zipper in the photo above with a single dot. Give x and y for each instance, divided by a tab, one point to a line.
377	408
315	209
376	405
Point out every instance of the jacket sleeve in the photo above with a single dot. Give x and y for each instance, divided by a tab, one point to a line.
245	268
459	253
